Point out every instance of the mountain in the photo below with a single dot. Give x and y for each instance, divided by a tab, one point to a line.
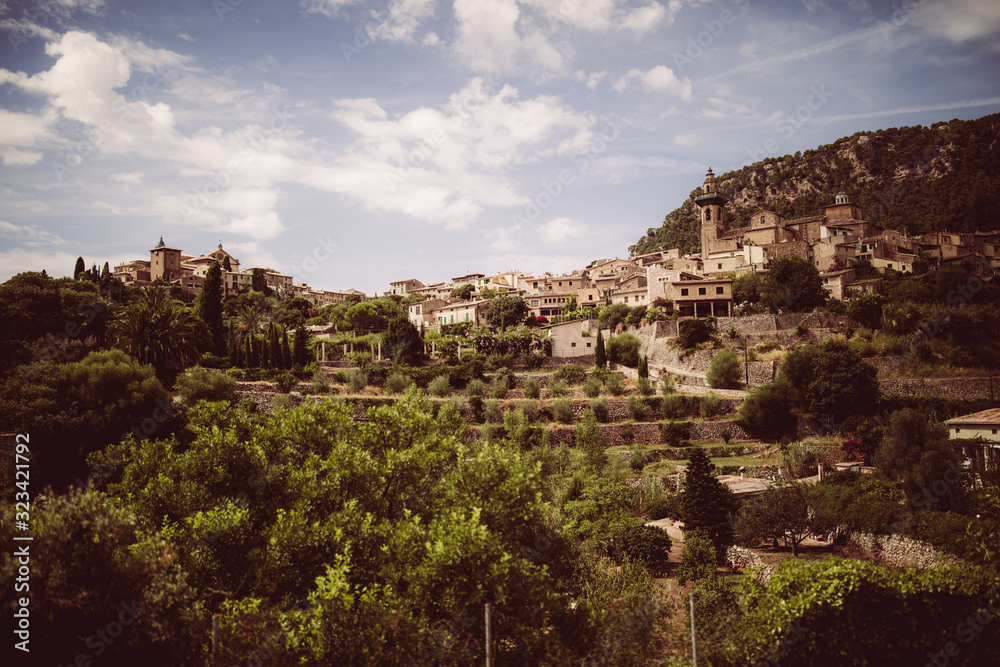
917	179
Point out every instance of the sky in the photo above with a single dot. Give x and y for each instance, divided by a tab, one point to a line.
354	143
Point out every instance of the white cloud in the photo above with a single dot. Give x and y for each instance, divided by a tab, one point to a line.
330	8
186	37
645	19
657	79
688	139
489	40
29	235
958	20
591	80
15	158
560	230
405	16
129	177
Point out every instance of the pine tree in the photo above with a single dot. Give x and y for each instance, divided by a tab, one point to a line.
705	503
600	355
209	307
81	267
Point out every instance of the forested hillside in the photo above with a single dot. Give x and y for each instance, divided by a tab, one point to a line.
920	179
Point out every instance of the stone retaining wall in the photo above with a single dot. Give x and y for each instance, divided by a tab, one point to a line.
899	551
743	559
955	387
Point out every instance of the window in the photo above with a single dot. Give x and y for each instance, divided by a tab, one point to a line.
720	265
719	290
572	344
588	345
590	297
626	299
466	317
534	302
702	290
453	319
684	291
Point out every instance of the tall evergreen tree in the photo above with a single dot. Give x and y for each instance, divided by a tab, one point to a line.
274	346
81	267
286	351
226	264
105	272
209	307
300	350
600	354
705	503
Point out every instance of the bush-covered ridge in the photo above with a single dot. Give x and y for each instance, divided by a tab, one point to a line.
946	176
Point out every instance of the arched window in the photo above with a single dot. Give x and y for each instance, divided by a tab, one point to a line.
708	214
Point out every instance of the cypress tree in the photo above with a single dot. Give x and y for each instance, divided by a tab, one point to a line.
105	272
600	355
81	267
300	350
209	307
274	344
226	265
286	351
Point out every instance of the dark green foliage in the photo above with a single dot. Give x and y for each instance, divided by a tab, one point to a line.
647	544
643	367
402	341
592	387
698	561
476	388
675	432
611	316
562	411
300	347
292	312
464	292
693	332
532	388
725	371
637	408
663	507
867	310
614	385
202	384
777	514
748	288
285	382
76	408
571	373
81	267
793	284
600	408
766	413
397	383
831	381
439	386
624	349
588	439
844	611
600	354
158	330
503	381
505	311
835	306
645	387
705	503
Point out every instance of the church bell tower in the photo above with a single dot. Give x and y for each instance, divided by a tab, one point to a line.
710	202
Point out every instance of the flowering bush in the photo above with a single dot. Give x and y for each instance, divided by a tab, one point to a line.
514	340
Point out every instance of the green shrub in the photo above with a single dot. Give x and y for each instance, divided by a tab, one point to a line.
557	388
592	387
711	405
647	544
476	388
673	406
663	507
285	382
614	385
532	388
571	373
357	380
645	387
624	349
321	381
282	402
601	409
725	371
530	410
397	383
236	373
627	434
503	381
202	384
675	432
727	435
692	333
637	408
458	403
667	385
492	411
766	413
440	386
562	411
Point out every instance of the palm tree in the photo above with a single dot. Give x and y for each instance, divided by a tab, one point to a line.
158	330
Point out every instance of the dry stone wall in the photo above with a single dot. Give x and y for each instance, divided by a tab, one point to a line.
743	559
958	387
902	552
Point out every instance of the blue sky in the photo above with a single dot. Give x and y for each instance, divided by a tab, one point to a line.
352	143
